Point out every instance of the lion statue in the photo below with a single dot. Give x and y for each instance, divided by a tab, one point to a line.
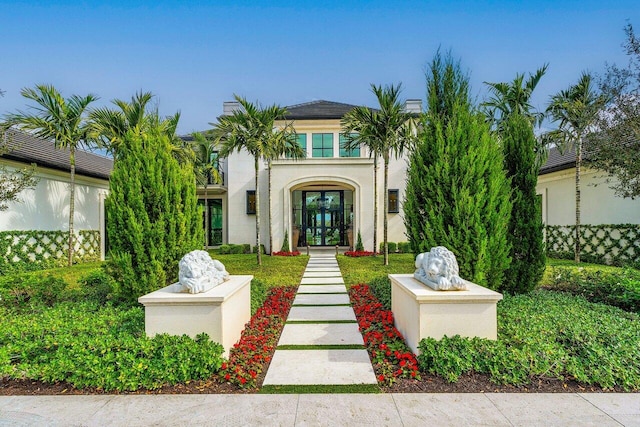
438	269
199	273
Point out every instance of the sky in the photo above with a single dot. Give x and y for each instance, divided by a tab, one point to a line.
194	55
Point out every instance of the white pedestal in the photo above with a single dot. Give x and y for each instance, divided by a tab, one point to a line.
421	312
220	312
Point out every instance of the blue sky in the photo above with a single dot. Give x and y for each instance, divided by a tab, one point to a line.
195	55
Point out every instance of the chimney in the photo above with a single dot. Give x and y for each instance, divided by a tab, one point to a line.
413	106
228	107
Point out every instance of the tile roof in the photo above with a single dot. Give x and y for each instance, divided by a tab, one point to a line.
557	161
27	148
318	110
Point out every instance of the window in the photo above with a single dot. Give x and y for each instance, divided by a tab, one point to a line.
301	139
394	204
251	202
348	153
322	145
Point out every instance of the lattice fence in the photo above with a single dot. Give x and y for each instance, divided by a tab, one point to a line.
26	250
616	244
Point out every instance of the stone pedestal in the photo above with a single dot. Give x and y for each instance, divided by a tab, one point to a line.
220	312
421	312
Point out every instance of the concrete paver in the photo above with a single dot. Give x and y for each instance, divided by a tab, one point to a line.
322	289
320	367
546	409
321	313
317	299
347	410
308	274
321	280
321	334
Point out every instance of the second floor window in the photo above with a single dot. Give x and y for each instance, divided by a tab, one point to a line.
348	153
322	145
301	139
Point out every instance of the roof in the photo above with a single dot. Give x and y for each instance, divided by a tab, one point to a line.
318	110
27	148
557	161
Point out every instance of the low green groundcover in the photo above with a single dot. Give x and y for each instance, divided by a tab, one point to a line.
546	335
102	347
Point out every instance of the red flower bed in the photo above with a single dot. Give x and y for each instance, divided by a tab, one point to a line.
250	355
286	253
358	253
389	353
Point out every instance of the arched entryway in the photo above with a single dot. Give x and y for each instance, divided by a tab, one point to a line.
322	213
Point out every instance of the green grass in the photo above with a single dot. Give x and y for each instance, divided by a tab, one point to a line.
364	269
71	275
547	280
275	270
321	347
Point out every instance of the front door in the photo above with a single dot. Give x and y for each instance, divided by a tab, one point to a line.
323	218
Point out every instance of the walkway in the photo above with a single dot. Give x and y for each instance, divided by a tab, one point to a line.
320	343
494	409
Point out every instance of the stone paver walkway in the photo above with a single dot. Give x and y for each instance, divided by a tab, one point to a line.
320	343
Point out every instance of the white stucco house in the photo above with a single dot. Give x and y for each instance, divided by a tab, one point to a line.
598	202
46	207
321	200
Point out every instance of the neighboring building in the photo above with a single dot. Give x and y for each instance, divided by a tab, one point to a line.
321	200
47	206
599	204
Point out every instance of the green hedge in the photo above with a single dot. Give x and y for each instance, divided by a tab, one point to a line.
616	244
106	348
546	335
618	289
30	250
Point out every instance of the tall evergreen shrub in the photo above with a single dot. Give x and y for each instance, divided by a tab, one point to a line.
525	228
457	192
153	217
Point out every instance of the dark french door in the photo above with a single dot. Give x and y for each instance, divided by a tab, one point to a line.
323	218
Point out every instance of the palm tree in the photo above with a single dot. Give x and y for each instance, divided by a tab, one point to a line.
576	109
206	172
385	132
251	128
63	121
514	98
284	144
109	126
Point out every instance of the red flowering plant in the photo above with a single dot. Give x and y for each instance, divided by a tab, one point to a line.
390	355
253	352
286	253
356	254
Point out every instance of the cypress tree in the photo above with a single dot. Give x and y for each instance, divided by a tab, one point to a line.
153	216
525	228
457	193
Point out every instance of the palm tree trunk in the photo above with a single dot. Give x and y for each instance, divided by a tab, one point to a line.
270	222
207	215
578	165
386	208
258	251
72	201
375	205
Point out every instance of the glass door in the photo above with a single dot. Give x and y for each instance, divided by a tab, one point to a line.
323	218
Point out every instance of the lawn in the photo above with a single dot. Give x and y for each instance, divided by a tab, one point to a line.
357	270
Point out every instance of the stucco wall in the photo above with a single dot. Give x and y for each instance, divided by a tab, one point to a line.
47	206
599	204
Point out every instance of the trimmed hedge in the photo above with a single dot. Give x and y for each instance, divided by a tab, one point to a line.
546	335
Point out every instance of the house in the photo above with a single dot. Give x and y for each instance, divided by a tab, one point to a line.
46	207
324	199
598	202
